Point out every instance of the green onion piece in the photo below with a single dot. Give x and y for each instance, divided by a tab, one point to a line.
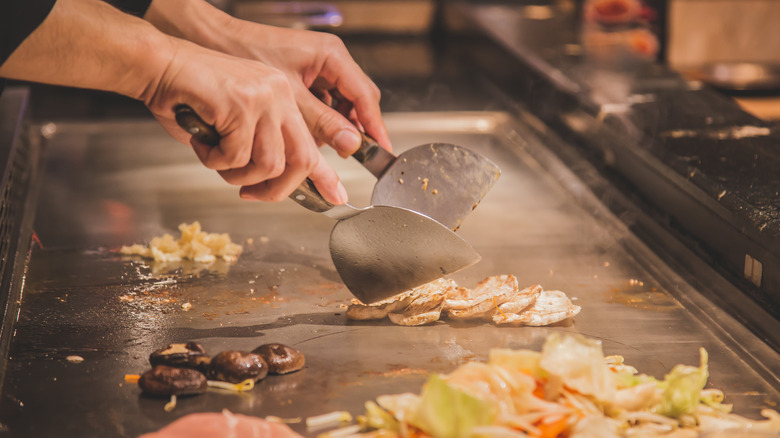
171	404
331	419
246	385
343	432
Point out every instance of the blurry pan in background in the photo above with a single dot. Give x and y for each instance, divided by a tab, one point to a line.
621	33
735	32
736	49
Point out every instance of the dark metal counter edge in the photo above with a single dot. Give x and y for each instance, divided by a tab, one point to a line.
21	163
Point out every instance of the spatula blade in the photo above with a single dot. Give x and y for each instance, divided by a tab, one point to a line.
384	251
440	180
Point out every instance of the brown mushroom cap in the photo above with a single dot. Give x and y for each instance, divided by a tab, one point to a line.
163	380
281	359
237	366
189	355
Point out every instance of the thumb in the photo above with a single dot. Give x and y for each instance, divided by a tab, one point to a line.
328	126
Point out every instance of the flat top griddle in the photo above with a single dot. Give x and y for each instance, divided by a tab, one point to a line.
109	184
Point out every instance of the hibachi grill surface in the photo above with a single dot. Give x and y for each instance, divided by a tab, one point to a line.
109	184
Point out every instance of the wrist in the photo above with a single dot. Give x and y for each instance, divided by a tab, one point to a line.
148	57
193	20
90	44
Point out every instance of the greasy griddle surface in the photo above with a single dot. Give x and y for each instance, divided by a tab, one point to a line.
108	185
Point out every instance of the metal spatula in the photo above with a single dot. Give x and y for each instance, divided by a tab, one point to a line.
379	251
440	180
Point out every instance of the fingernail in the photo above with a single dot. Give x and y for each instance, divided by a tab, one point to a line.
342	193
347	140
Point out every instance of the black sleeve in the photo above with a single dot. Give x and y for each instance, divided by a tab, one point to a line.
134	7
18	19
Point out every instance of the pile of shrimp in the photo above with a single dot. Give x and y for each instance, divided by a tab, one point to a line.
498	299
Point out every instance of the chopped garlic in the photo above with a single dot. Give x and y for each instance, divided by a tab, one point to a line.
194	244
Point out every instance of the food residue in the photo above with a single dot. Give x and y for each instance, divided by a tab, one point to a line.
74	359
194	244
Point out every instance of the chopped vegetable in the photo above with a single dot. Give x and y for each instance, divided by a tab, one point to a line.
246	385
171	404
569	390
332	419
448	412
132	378
682	388
342	432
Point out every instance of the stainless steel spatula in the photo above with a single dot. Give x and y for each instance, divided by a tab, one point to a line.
379	251
440	180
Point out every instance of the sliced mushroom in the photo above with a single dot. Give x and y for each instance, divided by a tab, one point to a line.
163	380
237	366
281	359
189	355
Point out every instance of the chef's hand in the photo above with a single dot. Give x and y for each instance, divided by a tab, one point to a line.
317	65
226	424
266	147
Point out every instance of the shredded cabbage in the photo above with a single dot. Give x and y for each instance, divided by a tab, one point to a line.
568	390
682	389
448	412
579	362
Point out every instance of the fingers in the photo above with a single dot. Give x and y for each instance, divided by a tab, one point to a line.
231	153
267	159
356	87
302	160
323	176
327	125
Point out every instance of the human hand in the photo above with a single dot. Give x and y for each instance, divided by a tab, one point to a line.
321	70
316	64
225	424
265	146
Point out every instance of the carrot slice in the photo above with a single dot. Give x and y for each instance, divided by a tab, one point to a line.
132	378
553	429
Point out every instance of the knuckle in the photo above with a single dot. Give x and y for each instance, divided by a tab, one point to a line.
270	166
326	123
276	80
231	178
334	41
240	158
214	163
304	162
276	196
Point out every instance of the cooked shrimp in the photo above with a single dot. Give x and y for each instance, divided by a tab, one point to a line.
499	286
485	297
400	302
522	299
415	319
550	307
